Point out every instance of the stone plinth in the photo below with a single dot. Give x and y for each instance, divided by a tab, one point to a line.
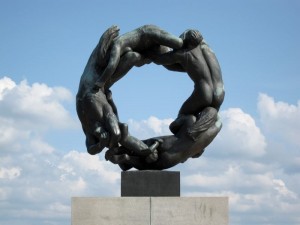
110	211
189	211
150	183
150	211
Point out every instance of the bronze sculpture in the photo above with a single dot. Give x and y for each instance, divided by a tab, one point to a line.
197	123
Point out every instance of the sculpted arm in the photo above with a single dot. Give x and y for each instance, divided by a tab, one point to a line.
168	58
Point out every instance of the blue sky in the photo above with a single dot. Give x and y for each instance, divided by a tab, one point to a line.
255	160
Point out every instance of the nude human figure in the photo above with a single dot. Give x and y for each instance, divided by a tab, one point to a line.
192	60
139	40
192	138
99	122
200	63
95	108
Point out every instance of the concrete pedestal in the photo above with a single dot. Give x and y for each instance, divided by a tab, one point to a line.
110	211
153	209
189	211
150	211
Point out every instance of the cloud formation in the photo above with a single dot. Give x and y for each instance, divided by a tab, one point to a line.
150	127
246	162
36	180
281	118
259	169
34	105
240	135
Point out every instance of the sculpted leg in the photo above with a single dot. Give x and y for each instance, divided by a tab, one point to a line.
162	37
201	97
134	145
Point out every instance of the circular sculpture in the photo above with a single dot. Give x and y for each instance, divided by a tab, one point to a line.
197	123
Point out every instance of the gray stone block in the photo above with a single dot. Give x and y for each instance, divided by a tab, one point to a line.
189	211
150	211
150	183
110	211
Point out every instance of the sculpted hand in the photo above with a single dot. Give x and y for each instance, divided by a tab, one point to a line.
104	135
113	129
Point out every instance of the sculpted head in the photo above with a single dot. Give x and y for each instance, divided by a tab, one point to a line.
191	37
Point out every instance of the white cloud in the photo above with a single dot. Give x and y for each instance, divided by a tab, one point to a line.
281	188
239	136
259	166
251	195
38	145
6	84
4	193
150	127
280	118
9	173
9	132
88	163
37	181
233	178
44	180
235	166
37	102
